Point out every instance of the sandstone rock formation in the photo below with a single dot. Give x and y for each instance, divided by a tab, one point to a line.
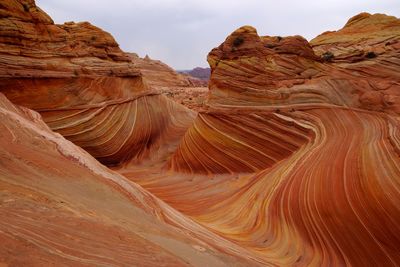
271	77
200	76
59	206
296	156
85	87
201	73
333	69
159	74
293	161
187	90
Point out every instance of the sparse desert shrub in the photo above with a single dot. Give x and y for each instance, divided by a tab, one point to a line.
279	38
26	7
328	56
238	41
371	55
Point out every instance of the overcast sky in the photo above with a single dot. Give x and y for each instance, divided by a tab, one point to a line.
182	32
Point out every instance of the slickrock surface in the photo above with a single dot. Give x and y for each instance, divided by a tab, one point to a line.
85	87
61	207
335	201
124	131
253	74
294	160
296	157
229	143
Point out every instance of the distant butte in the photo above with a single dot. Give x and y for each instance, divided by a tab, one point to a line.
291	158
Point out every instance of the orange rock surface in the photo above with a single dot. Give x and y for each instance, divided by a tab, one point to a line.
159	75
189	91
296	156
59	206
85	87
249	70
294	160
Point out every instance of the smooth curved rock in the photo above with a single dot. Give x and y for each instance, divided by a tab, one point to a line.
334	201
248	70
85	87
329	199
231	143
59	206
294	161
280	75
123	131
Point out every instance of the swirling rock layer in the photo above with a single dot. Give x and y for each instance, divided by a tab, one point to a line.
294	161
86	88
216	143
124	131
59	206
331	202
251	70
296	157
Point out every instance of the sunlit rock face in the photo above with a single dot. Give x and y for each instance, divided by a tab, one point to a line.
84	86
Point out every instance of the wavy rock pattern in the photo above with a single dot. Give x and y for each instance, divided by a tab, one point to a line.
330	196
216	142
294	161
274	74
85	87
60	206
249	70
122	131
332	202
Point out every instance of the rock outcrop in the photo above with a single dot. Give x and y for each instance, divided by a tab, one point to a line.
183	88
275	71
293	161
200	73
296	155
59	206
158	74
85	87
272	77
32	46
198	76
